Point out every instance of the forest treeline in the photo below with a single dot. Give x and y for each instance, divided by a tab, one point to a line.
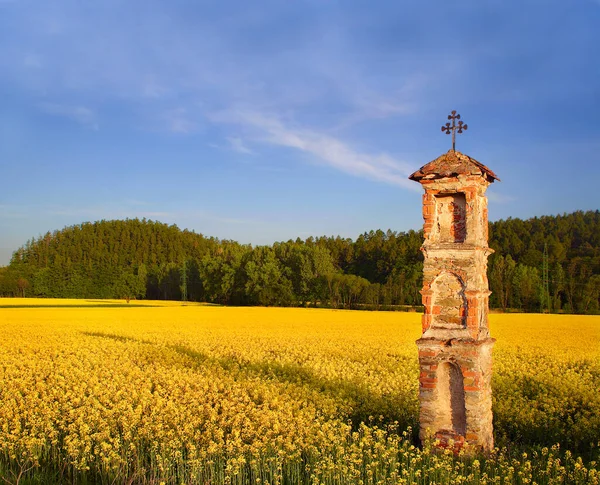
146	259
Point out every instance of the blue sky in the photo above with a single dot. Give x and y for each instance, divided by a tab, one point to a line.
267	120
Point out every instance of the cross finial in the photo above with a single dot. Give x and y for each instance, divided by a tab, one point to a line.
454	127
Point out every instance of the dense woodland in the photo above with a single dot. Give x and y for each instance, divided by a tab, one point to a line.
146	259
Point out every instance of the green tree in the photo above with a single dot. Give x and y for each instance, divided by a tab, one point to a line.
590	301
307	267
266	283
501	279
527	288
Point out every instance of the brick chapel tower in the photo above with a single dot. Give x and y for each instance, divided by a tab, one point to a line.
455	349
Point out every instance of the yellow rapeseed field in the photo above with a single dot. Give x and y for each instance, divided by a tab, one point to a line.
161	392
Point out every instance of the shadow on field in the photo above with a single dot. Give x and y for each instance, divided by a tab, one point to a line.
532	410
112	336
363	404
529	409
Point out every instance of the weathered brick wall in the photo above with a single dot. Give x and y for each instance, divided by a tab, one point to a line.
472	358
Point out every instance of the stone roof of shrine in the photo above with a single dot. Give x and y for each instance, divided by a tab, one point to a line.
452	164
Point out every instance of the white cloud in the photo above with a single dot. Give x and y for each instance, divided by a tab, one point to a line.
80	114
324	148
237	145
501	198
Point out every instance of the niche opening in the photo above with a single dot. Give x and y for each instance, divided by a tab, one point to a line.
450	213
452	413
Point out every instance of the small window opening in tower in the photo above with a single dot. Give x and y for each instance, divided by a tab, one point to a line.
450	225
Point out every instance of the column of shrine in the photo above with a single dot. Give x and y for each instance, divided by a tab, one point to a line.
455	348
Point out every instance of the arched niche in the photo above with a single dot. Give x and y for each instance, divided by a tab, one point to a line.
449	301
450	218
450	400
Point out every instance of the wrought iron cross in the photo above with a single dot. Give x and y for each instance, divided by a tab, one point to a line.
454	127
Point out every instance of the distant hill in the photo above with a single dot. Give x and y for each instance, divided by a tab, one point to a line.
146	259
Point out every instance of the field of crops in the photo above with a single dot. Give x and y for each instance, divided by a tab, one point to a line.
156	392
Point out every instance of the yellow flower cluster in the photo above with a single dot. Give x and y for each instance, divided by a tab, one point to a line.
162	392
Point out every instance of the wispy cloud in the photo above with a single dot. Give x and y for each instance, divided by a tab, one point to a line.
179	121
238	145
79	114
152	89
501	198
325	149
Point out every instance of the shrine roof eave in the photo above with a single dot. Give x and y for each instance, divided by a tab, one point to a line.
453	164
